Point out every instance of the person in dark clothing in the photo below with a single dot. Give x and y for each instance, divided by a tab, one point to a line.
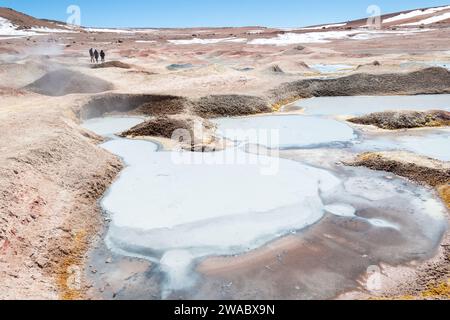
96	55
102	55
91	53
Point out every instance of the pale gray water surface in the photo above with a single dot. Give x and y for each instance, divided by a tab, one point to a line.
361	105
174	208
285	131
332	68
435	144
108	126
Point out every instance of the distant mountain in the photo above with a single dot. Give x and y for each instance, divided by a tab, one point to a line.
21	21
428	17
14	23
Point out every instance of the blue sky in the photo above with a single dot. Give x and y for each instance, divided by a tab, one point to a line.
190	13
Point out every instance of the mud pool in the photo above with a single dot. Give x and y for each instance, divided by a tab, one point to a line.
332	68
360	105
434	144
237	224
284	132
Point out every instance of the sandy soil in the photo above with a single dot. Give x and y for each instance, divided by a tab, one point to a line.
53	172
50	186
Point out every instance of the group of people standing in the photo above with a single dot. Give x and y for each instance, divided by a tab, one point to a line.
95	55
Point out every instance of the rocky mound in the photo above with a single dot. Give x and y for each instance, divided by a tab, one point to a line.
287	67
303	65
144	104
275	69
112	64
159	127
164	126
393	120
409	165
369	67
194	133
426	81
18	75
372	64
296	50
63	82
230	105
164	105
23	21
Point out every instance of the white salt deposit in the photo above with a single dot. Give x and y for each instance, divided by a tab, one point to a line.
11	37
328	36
289	131
177	265
310	37
327	26
119	31
206	41
414	14
109	30
7	28
341	209
255	31
49	30
380	223
430	20
345	210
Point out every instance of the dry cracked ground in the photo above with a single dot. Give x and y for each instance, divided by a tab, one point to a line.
52	171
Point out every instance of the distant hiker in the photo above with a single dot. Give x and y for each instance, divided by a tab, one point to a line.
91	53
102	55
96	55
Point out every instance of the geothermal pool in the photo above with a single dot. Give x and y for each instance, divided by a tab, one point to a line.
434	144
332	68
290	131
361	105
177	209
